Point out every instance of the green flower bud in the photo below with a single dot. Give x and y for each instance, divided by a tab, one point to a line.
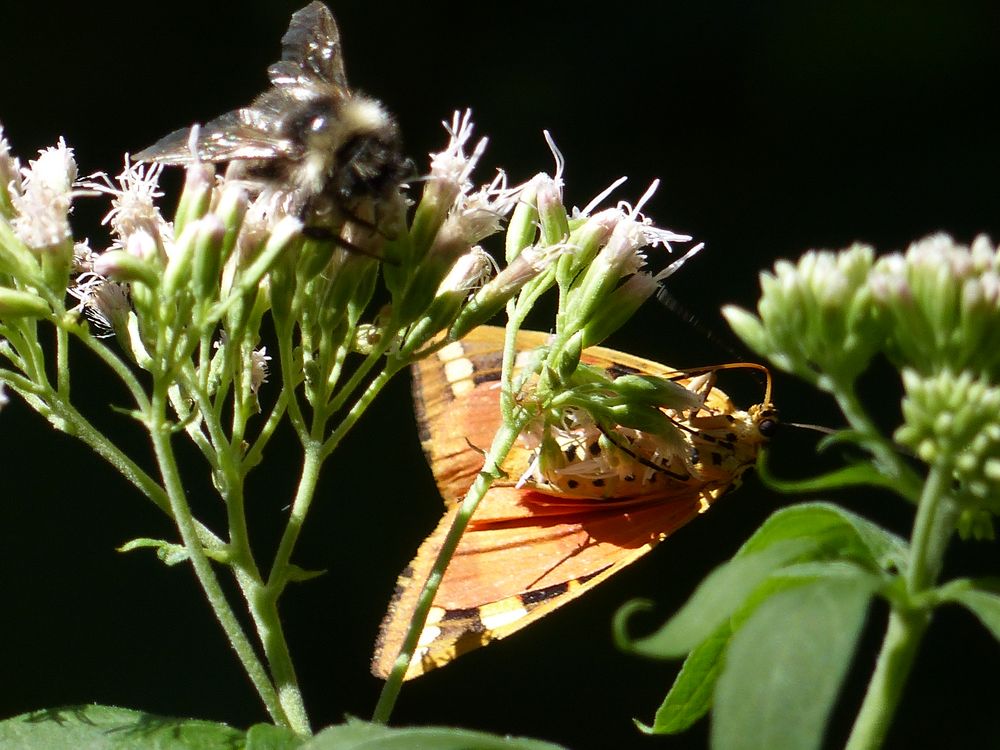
941	305
232	209
196	197
523	225
200	237
16	258
586	240
551	213
210	251
568	357
621	305
15	303
468	272
489	300
655	391
952	422
284	239
975	523
315	257
448	247
121	265
815	317
347	271
10	178
617	259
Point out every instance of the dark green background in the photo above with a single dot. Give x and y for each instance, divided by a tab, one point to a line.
775	128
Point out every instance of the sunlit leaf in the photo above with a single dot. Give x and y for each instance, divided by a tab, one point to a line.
93	727
359	735
785	666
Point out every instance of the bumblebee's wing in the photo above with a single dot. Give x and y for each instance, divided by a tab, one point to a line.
310	52
311	65
247	133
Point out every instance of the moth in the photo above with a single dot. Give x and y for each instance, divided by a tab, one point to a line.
309	144
532	547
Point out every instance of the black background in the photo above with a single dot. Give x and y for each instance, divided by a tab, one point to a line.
775	128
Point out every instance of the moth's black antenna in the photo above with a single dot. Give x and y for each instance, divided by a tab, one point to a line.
669	301
813	427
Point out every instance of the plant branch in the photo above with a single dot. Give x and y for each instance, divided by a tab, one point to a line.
502	443
932	529
160	434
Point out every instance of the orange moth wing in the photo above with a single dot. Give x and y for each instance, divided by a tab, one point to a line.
530	550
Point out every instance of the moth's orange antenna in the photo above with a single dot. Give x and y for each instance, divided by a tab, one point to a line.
753	366
734	366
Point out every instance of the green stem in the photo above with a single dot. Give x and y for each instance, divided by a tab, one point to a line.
895	659
937	515
932	528
78	426
263	601
62	363
288	366
279	657
364	401
84	431
312	460
887	460
253	455
119	368
373	358
502	443
160	434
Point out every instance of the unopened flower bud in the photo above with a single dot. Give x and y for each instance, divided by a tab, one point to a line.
196	197
621	305
489	300
816	317
551	212
10	178
123	266
523	225
15	303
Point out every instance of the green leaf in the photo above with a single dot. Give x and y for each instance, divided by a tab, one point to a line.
93	727
979	597
848	476
270	737
167	552
842	545
170	553
359	735
785	666
840	533
840	569
297	574
719	595
690	697
849	436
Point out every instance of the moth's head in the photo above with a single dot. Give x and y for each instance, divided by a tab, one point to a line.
765	420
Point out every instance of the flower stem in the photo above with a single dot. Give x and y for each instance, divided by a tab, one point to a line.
887	460
160	434
502	443
932	528
272	636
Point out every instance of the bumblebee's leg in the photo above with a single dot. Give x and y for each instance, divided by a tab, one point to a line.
326	234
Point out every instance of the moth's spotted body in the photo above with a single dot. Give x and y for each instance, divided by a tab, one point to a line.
599	502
